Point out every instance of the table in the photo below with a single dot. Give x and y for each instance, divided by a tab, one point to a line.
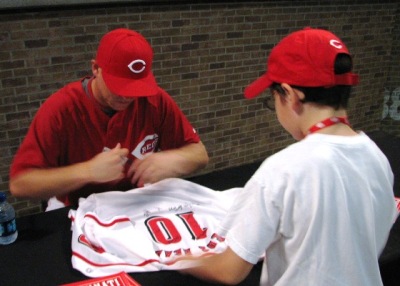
42	256
42	253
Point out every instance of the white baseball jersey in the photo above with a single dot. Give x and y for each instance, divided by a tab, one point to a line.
146	229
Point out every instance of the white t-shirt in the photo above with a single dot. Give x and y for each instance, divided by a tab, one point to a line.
321	211
147	229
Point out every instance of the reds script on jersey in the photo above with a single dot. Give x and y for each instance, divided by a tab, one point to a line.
146	229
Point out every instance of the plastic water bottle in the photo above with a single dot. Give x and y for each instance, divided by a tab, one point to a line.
8	226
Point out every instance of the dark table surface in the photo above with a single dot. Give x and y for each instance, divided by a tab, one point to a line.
42	253
42	256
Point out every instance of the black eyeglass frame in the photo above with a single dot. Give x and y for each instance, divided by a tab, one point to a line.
269	101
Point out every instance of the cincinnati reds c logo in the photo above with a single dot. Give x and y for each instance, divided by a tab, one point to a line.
336	44
137	66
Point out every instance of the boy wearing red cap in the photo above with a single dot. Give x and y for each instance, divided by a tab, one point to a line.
113	131
320	210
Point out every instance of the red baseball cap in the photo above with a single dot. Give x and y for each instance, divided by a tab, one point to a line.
304	58
125	58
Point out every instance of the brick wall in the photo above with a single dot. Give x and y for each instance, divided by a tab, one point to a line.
391	110
205	54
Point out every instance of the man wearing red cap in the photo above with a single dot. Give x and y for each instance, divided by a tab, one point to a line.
113	131
319	212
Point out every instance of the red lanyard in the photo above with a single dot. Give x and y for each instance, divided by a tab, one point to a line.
328	122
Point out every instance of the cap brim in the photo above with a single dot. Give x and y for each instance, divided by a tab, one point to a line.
127	87
257	87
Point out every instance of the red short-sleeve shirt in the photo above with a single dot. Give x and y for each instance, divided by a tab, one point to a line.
70	127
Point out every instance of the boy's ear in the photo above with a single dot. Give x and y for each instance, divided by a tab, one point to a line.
95	67
293	97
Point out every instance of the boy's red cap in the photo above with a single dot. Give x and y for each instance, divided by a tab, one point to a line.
304	58
125	58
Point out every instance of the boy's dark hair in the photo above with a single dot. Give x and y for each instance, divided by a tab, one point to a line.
336	96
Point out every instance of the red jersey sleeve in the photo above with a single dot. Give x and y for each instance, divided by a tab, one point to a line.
41	145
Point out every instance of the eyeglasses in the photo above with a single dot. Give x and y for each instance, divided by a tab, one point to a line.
269	101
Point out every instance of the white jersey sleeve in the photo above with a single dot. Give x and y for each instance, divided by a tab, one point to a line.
146	229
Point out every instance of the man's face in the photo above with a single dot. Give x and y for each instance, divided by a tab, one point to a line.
105	97
116	102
